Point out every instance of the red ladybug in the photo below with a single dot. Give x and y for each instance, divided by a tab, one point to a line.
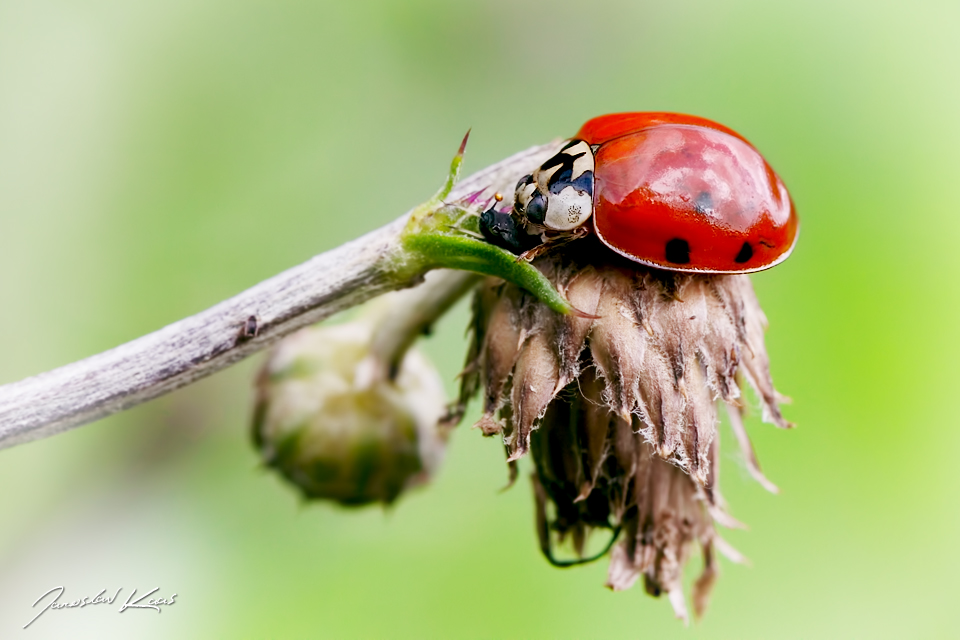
667	190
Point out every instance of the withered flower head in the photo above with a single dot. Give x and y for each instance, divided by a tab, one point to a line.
618	406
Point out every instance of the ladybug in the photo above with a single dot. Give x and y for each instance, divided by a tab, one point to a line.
666	190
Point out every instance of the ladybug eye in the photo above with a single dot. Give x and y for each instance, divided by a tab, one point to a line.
536	209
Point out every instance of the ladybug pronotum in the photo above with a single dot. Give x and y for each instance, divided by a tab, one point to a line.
666	190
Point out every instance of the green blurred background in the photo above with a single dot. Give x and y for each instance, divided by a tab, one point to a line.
158	157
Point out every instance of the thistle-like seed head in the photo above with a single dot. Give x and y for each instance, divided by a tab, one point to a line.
619	410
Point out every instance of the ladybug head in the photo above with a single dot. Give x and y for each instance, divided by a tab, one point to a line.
559	195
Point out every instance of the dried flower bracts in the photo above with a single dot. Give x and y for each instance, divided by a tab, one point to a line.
619	410
602	357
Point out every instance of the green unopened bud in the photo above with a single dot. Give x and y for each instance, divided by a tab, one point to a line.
349	412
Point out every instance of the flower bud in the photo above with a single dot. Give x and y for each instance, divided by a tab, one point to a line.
341	423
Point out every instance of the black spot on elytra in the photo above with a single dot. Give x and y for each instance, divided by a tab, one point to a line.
678	251
746	252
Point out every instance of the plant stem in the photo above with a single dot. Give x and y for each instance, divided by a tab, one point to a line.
402	317
211	340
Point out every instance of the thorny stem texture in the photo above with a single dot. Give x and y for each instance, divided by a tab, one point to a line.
195	347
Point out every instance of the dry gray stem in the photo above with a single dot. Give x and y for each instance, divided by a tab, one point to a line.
211	340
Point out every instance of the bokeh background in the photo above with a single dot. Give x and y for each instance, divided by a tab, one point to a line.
158	157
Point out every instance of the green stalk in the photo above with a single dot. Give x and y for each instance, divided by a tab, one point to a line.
444	236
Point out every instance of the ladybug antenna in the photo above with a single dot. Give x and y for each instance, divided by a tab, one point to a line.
491	205
499	198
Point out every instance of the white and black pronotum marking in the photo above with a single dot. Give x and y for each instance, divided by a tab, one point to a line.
558	196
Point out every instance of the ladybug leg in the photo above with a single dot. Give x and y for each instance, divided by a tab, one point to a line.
575	234
555	241
530	254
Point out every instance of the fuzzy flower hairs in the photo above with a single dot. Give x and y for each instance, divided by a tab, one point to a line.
619	412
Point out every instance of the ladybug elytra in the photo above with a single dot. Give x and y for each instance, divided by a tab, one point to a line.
666	190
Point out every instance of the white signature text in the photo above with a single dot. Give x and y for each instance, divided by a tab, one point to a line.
132	602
